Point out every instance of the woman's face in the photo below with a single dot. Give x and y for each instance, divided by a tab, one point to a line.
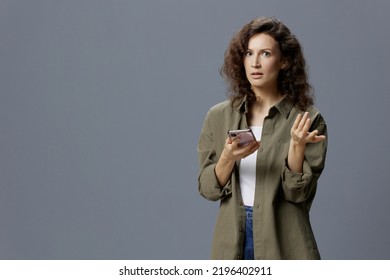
262	62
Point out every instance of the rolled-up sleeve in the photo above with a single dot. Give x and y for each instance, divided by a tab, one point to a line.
299	187
207	180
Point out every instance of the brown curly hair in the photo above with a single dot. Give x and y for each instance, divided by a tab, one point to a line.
292	81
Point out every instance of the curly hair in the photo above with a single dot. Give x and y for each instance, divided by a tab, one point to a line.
292	81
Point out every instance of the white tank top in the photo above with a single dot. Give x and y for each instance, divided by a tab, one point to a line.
247	172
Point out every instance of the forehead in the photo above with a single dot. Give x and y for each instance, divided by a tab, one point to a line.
262	41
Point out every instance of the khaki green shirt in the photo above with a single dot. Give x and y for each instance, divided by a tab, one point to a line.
281	225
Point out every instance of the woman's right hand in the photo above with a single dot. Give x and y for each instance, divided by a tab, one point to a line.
232	152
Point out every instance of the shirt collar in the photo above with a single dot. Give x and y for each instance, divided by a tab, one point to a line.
284	106
243	105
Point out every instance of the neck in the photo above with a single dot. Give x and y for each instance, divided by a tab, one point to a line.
267	97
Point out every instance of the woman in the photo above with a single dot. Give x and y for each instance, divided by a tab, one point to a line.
265	188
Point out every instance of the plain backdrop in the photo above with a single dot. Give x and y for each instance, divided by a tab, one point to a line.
101	106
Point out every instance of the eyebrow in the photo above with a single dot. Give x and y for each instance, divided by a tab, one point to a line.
265	49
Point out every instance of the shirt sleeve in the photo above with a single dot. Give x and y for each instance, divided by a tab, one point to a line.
300	187
207	180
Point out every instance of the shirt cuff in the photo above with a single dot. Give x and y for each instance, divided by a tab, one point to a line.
209	186
295	184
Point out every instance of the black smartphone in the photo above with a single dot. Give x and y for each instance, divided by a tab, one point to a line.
245	135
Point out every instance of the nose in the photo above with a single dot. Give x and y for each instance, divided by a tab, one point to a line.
256	61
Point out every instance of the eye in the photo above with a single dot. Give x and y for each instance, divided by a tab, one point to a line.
266	54
248	53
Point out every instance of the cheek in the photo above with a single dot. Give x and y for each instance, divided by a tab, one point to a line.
274	66
246	65
247	68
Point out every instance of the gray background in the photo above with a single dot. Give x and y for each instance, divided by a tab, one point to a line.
102	102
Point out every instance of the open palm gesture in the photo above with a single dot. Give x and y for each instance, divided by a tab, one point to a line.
300	134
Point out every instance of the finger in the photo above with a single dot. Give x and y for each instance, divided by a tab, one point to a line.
255	147
253	144
296	122
310	136
236	141
307	125
250	148
232	144
319	138
303	121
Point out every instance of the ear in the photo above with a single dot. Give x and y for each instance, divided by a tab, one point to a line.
285	64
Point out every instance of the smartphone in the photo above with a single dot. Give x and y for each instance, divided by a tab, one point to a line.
246	136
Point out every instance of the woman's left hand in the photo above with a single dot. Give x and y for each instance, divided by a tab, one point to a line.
300	134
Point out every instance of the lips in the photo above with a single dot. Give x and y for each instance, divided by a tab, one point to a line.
256	75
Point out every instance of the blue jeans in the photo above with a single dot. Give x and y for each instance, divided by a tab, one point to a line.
248	239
